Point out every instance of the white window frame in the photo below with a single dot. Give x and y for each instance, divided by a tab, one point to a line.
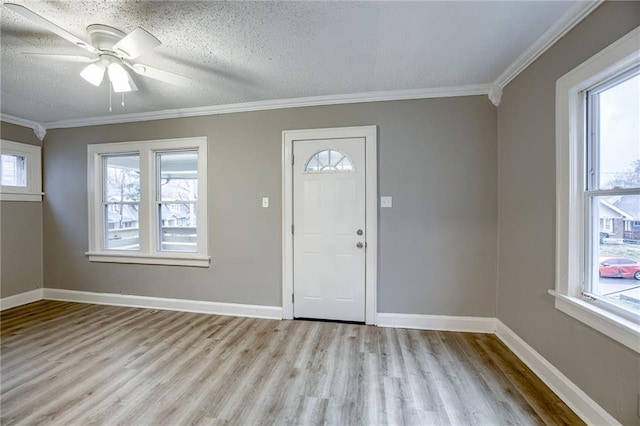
571	220
149	252
32	155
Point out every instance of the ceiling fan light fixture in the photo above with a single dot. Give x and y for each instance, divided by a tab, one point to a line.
120	78
93	73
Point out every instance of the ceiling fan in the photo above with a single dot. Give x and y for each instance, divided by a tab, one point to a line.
112	53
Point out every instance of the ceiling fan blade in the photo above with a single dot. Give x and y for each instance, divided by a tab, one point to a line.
158	74
64	58
136	43
34	17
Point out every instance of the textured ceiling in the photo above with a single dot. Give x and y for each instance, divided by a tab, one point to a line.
237	52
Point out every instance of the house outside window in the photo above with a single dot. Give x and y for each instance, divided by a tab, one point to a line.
598	192
20	172
147	202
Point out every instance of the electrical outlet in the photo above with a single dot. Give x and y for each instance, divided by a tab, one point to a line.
265	202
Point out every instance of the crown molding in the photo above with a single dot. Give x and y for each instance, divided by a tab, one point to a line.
495	95
562	26
37	128
395	95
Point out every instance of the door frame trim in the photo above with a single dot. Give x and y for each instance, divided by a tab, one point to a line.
370	136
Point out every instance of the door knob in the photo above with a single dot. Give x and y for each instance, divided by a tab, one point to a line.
360	245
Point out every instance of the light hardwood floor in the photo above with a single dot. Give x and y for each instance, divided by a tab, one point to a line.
72	363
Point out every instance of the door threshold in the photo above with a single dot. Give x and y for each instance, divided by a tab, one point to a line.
329	320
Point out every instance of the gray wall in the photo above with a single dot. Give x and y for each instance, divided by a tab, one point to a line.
437	158
20	232
604	369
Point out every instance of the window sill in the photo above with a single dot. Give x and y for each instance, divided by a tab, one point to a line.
619	329
13	196
173	259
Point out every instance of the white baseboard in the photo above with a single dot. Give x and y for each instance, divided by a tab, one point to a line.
585	407
184	305
437	322
20	299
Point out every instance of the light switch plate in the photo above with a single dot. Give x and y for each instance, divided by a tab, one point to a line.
265	202
386	202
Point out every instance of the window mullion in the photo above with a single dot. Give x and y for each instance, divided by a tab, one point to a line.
591	181
591	232
146	182
617	191
592	141
100	232
157	202
201	205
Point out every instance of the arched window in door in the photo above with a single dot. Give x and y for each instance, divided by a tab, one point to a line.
328	161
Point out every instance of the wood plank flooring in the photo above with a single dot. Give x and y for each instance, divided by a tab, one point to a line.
80	364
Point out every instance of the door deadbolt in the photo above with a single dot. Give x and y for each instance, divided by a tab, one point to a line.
359	232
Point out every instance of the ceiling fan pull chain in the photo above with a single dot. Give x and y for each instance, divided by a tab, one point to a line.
110	109
122	99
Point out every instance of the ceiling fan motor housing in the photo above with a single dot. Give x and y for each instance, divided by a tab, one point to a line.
103	37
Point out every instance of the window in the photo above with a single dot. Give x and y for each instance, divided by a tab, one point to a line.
613	181
178	200
606	225
121	201
328	161
598	192
147	202
14	170
20	172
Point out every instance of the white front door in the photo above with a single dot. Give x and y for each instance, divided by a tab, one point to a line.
329	246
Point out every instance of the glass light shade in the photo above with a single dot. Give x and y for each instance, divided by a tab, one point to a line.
119	78
93	73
